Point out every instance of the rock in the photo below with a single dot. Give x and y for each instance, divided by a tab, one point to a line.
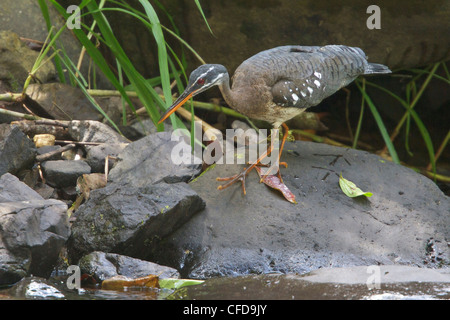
47	149
262	233
32	231
44	190
128	220
64	173
94	131
102	266
16	150
35	288
14	190
62	101
395	283
16	61
96	155
148	160
385	274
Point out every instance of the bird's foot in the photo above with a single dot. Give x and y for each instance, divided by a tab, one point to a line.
237	177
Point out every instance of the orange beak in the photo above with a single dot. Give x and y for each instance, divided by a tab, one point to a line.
185	96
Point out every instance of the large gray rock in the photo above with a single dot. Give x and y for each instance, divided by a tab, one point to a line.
148	160
32	231
128	220
16	150
406	221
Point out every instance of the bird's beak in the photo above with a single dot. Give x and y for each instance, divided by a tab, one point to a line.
185	96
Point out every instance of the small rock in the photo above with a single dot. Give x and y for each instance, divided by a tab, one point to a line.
64	173
32	231
96	155
41	140
102	266
36	288
16	150
94	131
44	190
12	189
47	149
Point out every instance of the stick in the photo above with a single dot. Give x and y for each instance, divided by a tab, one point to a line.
48	155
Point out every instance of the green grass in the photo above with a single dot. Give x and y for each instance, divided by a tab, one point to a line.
170	65
413	92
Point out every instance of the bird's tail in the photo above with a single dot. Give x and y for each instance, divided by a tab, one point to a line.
375	68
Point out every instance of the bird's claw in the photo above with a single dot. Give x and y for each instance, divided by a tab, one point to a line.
240	176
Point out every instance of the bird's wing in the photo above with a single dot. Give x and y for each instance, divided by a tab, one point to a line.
307	75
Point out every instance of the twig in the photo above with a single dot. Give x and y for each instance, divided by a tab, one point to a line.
11	97
20	115
439	151
83	143
48	155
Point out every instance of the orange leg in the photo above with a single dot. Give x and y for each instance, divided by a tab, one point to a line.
241	176
285	135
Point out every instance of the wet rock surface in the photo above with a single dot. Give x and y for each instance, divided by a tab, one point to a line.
17	151
262	233
102	266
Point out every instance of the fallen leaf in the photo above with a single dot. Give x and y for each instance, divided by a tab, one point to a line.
171	283
350	189
274	182
121	282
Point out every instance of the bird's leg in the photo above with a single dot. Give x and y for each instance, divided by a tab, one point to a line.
285	135
241	176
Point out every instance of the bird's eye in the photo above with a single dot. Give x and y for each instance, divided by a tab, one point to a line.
201	81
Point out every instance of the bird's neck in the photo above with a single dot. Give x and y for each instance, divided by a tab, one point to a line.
227	93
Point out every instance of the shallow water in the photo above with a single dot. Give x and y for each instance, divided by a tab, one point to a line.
257	287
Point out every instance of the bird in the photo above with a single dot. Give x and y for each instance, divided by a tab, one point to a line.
278	84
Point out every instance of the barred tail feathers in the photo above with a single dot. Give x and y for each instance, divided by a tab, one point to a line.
376	68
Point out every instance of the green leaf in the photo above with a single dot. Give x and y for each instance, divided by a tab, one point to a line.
171	283
350	189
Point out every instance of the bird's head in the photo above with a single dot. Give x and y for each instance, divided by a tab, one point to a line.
201	79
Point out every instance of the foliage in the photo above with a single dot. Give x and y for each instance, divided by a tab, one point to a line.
412	96
102	34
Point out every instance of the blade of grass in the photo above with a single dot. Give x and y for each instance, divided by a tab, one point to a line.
162	52
426	138
380	124
94	53
46	15
361	113
199	6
